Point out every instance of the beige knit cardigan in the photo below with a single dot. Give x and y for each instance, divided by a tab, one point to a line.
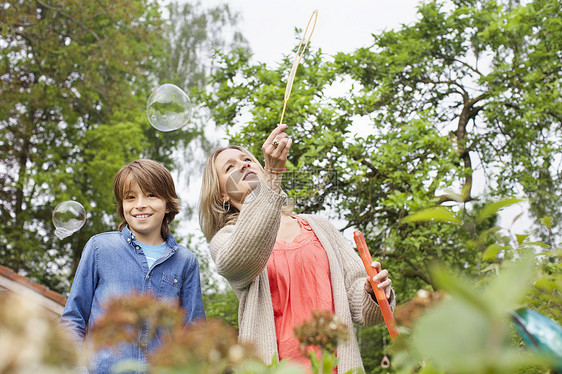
241	252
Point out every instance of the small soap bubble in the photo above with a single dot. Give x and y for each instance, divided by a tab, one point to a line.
168	108
68	217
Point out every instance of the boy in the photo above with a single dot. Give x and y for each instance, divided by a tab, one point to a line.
141	257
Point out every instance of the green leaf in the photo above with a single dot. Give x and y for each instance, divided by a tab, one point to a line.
452	334
494	207
546	283
521	238
460	287
492	251
509	287
538	244
547	221
492	267
516	218
438	214
314	362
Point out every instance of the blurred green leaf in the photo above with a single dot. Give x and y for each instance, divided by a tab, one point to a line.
492	251
538	244
491	230
451	195
547	221
547	283
516	218
521	238
455	285
450	333
439	214
494	207
553	253
468	333
506	291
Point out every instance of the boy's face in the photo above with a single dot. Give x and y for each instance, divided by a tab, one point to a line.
144	212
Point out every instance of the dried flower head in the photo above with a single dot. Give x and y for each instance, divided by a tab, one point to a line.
406	314
125	316
31	340
204	347
324	329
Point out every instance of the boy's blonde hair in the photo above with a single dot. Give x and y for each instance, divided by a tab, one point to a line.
213	213
151	177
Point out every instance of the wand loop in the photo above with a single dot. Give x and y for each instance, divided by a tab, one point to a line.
297	61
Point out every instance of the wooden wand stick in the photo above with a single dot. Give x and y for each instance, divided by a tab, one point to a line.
298	57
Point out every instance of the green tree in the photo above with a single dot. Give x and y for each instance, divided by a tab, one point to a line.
489	71
73	78
428	100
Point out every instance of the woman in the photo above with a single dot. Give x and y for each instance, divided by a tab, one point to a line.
282	267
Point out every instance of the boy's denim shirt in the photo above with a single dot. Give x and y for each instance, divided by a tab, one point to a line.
113	264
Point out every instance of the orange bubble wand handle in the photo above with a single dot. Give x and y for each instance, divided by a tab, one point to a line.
379	294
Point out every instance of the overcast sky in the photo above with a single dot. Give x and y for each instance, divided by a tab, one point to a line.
342	26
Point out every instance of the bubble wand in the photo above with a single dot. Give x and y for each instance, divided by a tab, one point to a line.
379	294
297	61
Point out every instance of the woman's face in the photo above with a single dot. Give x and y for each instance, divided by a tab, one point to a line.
238	176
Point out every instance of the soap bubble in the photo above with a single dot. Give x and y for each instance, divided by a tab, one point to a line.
68	217
168	108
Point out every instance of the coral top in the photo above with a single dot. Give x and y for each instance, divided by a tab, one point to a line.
299	280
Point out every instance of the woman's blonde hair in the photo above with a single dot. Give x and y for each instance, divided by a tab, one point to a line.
151	177
214	214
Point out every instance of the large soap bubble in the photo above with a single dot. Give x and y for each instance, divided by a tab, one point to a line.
168	108
68	217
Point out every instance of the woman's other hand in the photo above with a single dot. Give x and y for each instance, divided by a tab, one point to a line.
381	278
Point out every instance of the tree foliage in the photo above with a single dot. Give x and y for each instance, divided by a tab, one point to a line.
426	107
489	72
74	80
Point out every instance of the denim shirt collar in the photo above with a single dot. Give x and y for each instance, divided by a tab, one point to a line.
171	243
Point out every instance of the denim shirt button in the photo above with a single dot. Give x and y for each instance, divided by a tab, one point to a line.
175	281
137	247
128	240
148	276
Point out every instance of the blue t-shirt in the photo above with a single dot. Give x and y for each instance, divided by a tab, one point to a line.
153	252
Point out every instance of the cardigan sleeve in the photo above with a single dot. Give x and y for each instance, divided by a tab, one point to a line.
241	251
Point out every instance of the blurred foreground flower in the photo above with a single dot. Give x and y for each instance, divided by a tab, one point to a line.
323	330
31	341
406	314
204	347
125	316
